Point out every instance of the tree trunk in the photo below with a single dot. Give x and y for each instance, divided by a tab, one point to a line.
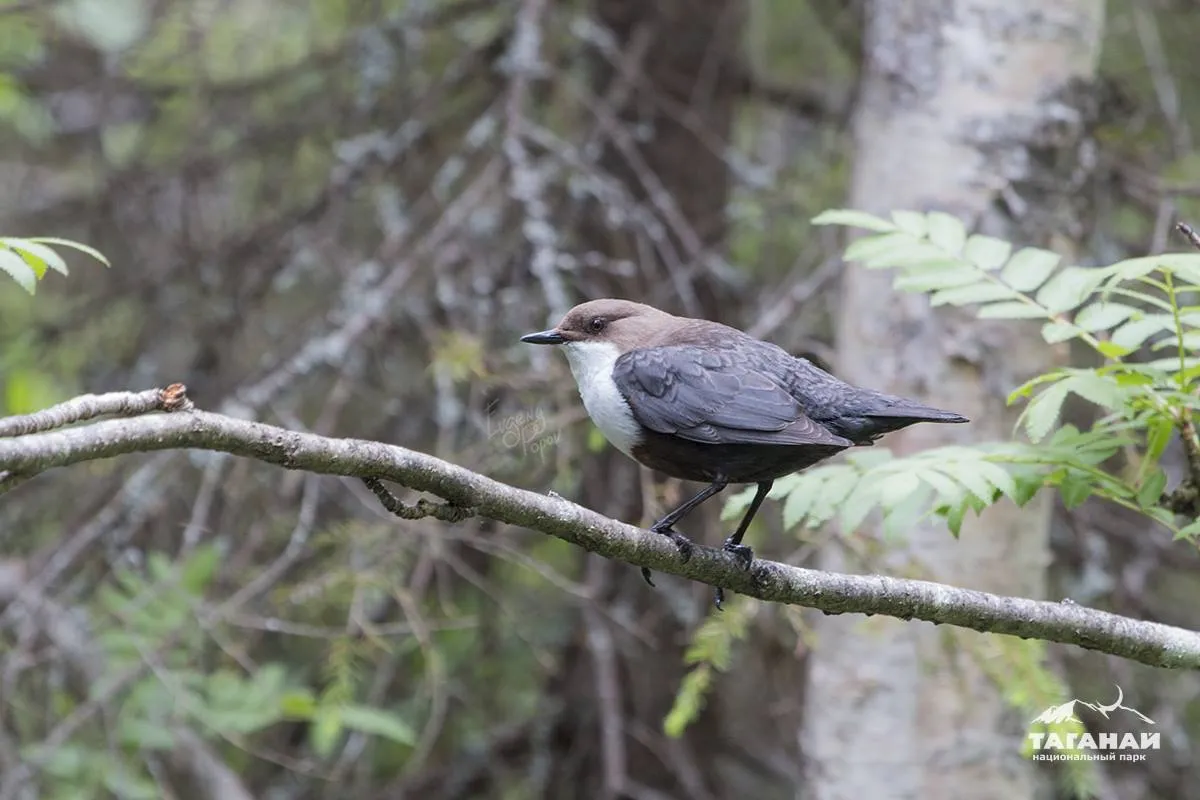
965	107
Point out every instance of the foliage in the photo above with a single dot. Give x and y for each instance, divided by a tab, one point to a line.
151	632
1135	306
711	651
27	261
1142	319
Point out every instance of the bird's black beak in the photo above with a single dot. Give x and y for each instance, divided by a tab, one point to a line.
545	337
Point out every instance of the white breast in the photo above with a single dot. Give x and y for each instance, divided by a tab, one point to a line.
592	366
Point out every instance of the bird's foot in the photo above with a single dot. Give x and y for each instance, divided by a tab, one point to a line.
681	542
744	553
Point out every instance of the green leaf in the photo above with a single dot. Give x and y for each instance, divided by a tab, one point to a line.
38	266
914	256
378	722
949	491
801	500
1189	531
1027	489
1183	263
1069	288
897	487
1043	411
1025	389
853	219
947	232
325	731
1111	350
868	247
1161	515
1029	268
1099	389
954	518
65	761
142	733
689	701
1103	315
46	257
936	279
911	222
596	441
1158	436
200	568
839	483
83	248
987	252
1055	332
970	476
1013	309
12	263
27	390
998	477
979	293
858	505
1074	489
299	704
1152	488
1133	334
902	516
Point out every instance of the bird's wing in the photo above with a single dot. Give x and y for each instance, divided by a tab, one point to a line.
714	396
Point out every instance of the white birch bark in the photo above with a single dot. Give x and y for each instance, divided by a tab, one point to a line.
958	106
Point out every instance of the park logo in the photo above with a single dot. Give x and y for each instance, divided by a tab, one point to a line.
1064	737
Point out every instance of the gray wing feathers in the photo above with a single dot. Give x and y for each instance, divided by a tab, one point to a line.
713	397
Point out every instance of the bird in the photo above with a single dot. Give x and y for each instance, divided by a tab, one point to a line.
701	401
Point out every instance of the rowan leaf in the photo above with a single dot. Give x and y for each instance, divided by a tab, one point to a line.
12	263
987	252
1029	268
853	219
947	232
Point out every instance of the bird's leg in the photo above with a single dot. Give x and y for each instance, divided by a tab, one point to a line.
734	543
666	525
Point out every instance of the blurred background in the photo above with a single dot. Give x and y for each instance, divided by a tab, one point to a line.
339	215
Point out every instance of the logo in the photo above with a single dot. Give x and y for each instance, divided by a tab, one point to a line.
1065	738
524	430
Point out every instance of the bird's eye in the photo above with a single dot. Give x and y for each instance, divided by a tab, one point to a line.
597	324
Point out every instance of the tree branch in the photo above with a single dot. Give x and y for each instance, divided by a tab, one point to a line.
1147	642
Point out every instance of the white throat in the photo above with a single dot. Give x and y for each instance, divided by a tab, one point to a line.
592	365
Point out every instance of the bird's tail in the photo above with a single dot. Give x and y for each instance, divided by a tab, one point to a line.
899	413
915	412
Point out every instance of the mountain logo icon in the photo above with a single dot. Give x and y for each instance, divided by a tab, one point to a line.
1056	715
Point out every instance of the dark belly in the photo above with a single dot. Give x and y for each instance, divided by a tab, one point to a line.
736	463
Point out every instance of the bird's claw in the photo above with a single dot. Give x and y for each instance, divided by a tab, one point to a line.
743	553
682	543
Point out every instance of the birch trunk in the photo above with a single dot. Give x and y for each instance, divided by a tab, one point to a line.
966	107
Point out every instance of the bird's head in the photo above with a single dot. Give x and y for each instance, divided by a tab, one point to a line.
609	323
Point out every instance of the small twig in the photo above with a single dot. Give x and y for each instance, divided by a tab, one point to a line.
1185	500
1190	233
90	406
423	508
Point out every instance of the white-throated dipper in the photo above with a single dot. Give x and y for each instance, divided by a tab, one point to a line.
700	401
